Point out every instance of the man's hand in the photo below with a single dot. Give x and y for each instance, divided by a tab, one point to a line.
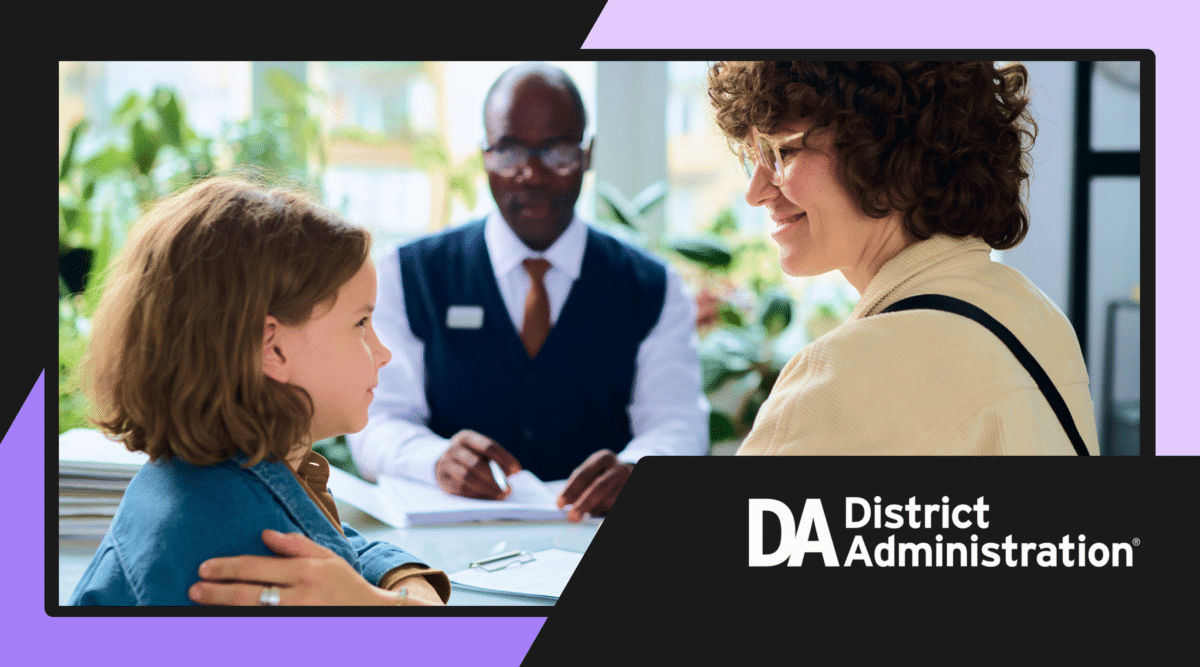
305	572
463	470
594	485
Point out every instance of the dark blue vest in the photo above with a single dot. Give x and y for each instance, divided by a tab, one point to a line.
553	411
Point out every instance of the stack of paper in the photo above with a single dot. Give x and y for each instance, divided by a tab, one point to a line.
93	472
403	502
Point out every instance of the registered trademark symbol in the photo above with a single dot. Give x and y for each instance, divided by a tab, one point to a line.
1136	541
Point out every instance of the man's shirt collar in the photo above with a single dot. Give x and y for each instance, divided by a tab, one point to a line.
507	251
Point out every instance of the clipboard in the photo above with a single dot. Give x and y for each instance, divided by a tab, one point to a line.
539	574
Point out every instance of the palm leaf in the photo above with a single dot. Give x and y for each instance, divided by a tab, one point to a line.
776	314
647	199
623	212
68	160
720	426
709	253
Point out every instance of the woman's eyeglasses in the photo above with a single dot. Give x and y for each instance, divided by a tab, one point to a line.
563	158
768	150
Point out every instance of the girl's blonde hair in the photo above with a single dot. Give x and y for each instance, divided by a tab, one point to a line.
174	366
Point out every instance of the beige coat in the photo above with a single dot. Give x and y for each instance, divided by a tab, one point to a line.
929	382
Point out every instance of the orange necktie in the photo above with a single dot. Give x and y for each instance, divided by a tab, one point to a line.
537	307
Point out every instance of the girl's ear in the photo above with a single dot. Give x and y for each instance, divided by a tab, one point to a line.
275	365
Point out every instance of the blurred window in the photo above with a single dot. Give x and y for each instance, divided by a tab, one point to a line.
385	123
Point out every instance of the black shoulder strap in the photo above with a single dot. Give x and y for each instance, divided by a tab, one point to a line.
960	307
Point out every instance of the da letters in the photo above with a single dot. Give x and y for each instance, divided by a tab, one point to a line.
794	539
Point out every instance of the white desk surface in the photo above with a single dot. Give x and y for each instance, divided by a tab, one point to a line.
449	547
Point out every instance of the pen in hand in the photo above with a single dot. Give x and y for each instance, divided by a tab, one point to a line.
498	474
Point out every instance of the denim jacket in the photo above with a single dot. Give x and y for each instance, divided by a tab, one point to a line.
175	515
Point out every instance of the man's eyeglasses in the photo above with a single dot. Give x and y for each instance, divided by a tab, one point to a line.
766	153
563	158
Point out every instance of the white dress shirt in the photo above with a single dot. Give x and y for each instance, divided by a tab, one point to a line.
668	413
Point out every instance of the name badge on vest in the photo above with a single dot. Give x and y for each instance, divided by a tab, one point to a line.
464	317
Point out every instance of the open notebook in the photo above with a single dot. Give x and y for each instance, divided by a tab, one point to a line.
400	502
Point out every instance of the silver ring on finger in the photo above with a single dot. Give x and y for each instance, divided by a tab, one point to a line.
269	596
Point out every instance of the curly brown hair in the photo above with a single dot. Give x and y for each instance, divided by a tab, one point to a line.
944	143
174	365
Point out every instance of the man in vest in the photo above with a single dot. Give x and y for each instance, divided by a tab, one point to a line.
529	338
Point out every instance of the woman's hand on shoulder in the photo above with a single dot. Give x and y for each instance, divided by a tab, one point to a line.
305	573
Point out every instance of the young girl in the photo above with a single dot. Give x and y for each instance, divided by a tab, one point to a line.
235	331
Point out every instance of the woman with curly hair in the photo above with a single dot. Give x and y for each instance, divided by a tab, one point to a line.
903	176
